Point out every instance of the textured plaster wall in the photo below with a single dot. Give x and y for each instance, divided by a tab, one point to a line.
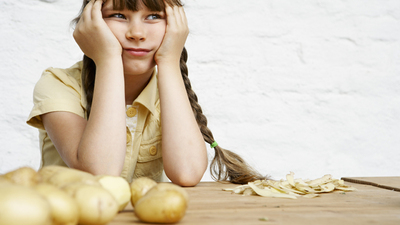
308	86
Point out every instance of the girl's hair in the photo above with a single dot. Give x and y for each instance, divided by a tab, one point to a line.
226	165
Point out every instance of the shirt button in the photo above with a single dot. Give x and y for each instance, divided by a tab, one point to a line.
153	150
131	112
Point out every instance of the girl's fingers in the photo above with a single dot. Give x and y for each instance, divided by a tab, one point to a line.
92	10
183	15
183	19
177	15
175	35
96	9
87	11
176	18
180	18
170	15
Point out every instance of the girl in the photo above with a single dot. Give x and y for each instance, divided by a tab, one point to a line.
128	108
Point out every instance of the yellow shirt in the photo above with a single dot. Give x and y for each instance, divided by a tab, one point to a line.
61	90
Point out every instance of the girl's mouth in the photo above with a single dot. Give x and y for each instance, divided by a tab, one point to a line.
137	51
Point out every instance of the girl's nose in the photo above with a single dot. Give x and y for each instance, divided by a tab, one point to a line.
136	32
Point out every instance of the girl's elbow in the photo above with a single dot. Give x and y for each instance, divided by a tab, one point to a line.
186	179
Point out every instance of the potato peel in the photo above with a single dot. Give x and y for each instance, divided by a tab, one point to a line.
266	192
290	179
292	188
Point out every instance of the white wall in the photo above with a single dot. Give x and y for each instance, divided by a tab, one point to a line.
309	86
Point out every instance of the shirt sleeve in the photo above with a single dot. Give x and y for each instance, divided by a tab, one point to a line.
56	90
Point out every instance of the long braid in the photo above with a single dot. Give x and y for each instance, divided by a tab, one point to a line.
226	165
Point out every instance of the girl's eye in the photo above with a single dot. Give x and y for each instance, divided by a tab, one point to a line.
118	15
154	17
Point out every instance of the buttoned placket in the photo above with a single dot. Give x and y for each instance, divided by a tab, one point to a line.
131	125
131	121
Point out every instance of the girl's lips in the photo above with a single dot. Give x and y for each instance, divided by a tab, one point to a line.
137	51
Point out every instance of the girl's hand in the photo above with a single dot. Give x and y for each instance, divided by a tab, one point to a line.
175	36
93	35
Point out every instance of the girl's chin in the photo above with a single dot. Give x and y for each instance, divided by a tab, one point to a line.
139	68
139	71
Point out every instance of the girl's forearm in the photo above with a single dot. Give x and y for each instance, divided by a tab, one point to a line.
103	143
184	151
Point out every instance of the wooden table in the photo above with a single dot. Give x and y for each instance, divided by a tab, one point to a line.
210	205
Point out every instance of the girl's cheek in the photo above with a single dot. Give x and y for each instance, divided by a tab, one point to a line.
116	29
160	36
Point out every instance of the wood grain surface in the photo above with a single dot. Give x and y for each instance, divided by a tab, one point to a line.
210	205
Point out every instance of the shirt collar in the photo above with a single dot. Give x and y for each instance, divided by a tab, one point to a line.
149	96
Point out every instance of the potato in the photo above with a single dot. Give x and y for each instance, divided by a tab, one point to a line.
24	176
4	180
63	176
96	205
170	186
118	187
20	205
140	187
48	171
164	205
64	208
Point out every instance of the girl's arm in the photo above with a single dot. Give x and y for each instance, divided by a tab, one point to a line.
97	145
183	147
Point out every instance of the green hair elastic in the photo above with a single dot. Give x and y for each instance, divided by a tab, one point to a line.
214	144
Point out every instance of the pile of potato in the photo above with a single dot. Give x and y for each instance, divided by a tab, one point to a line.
57	195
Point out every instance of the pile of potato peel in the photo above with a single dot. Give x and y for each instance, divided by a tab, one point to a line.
292	188
57	195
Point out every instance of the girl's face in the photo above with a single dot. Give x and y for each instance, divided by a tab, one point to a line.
140	34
